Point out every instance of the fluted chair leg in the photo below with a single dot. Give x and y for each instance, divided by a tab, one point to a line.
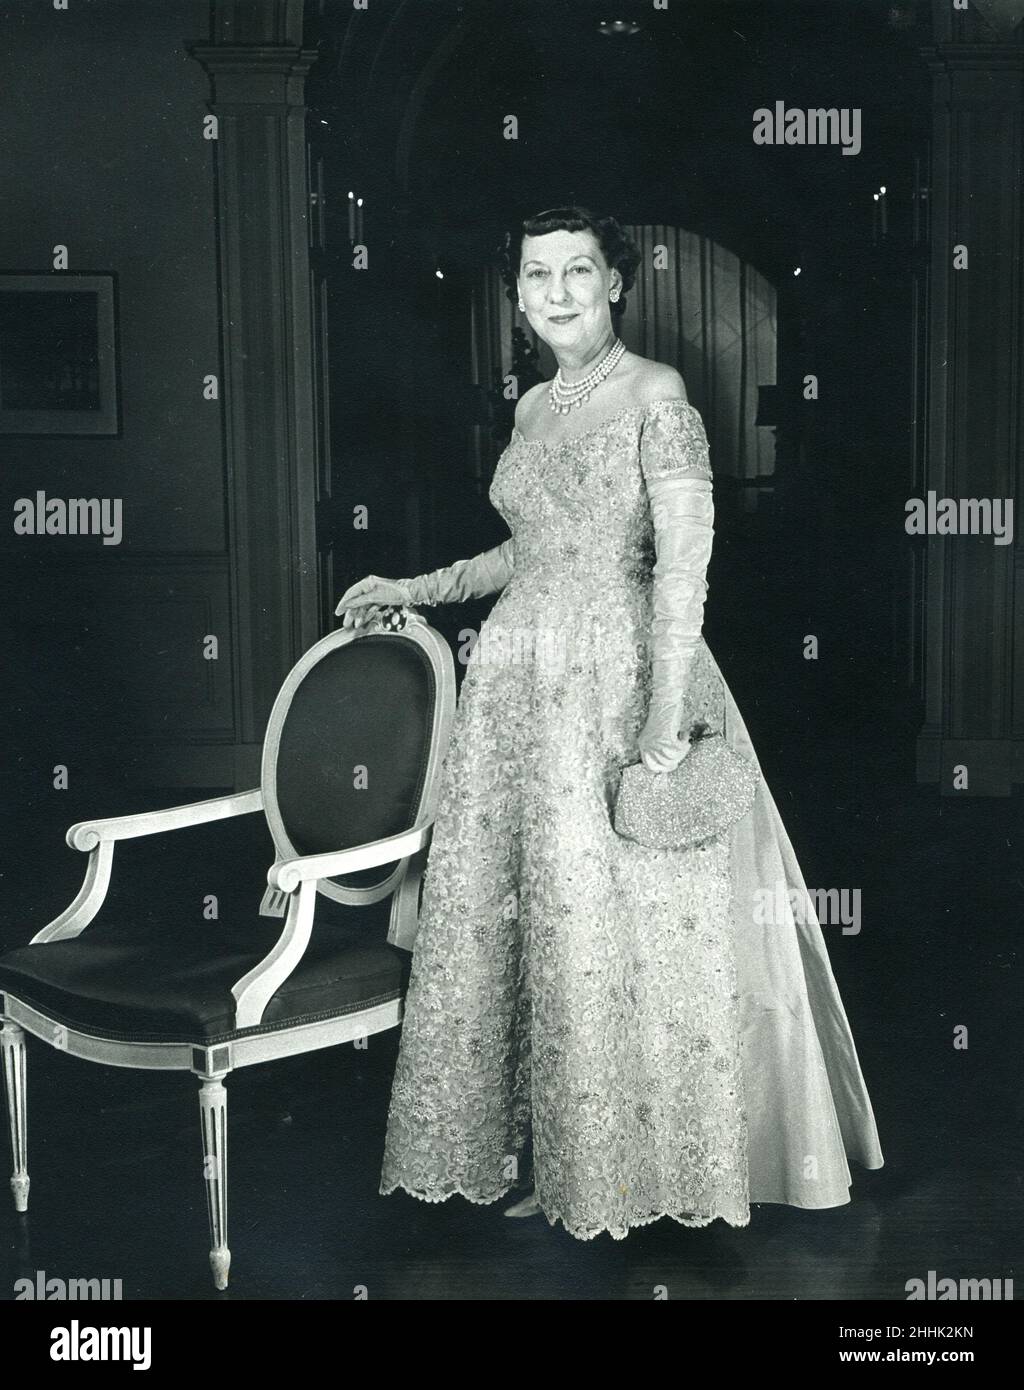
213	1108
12	1039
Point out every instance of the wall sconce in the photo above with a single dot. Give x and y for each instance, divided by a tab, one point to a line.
355	218
880	224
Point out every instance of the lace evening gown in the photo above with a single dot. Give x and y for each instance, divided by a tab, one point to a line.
615	1012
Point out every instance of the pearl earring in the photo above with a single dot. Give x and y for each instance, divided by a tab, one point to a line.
614	296
522	307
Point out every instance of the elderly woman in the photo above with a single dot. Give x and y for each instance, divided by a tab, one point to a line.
617	1018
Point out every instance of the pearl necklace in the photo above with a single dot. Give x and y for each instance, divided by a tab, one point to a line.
563	395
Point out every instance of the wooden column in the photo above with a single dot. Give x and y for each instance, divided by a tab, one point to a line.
973	634
257	67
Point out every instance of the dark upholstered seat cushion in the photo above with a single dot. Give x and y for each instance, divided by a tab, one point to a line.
157	982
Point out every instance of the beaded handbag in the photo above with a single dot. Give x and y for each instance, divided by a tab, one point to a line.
711	789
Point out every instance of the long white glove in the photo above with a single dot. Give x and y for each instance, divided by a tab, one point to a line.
483	574
683	514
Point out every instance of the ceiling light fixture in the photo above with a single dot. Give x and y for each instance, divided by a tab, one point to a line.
619	28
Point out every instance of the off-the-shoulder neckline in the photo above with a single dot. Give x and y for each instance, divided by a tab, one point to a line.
596	429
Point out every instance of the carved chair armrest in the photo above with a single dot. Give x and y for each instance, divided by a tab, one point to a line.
287	874
98	837
255	990
87	834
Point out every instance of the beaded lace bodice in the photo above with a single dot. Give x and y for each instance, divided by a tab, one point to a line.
577	506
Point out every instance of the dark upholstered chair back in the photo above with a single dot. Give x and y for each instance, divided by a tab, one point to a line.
351	744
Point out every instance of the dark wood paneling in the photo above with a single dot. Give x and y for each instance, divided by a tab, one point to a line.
267	352
973	632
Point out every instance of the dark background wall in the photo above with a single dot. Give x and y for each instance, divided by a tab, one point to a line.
101	150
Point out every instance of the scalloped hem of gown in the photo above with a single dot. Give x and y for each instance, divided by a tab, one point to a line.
619	1233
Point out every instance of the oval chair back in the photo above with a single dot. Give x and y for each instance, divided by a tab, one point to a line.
354	747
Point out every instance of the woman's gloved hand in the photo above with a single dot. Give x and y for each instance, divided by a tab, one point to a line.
483	574
662	747
360	602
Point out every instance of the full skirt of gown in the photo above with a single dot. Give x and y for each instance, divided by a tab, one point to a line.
618	1021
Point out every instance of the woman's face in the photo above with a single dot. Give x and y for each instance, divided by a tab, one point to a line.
564	283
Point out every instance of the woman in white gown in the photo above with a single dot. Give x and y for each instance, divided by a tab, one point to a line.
621	1019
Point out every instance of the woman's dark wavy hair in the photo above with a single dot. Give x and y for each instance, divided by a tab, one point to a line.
618	247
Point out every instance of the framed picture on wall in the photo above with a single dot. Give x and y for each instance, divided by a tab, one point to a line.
58	354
